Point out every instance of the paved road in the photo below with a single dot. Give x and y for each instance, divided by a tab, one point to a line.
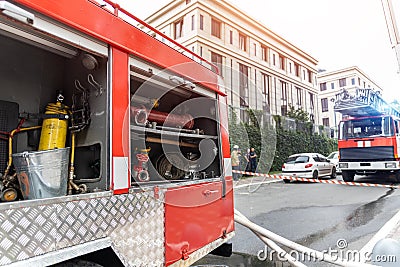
315	215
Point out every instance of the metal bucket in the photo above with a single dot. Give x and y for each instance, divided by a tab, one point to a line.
42	174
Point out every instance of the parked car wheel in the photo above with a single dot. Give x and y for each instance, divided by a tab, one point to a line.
333	175
397	176
315	175
286	181
348	176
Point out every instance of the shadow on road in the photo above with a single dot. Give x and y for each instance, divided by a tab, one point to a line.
359	217
365	213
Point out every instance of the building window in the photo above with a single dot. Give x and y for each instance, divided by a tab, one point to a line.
244	115
364	85
311	95
281	62
342	82
193	17
325	122
297	70
266	90
284	91
216	59
332	86
290	67
299	96
284	95
264	53
324	104
188	2
201	22
309	76
283	110
353	81
322	86
304	75
284	98
215	28
242	41
255	49
273	59
244	92
359	81
201	51
178	28
231	37
244	85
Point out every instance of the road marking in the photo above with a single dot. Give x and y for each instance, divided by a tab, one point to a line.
382	233
265	182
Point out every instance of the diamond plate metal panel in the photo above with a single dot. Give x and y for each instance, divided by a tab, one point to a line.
141	241
26	231
135	223
81	221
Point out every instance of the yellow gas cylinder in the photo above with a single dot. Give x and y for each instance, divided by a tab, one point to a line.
54	129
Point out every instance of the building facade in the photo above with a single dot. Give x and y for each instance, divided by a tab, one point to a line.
261	70
332	82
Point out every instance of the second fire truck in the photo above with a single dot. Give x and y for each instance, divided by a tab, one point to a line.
369	134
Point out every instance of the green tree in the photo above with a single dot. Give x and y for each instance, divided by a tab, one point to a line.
273	144
298	114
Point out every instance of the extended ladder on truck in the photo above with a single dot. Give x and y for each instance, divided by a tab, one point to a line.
365	102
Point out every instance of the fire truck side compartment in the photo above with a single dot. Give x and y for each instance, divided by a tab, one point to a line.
31	78
180	100
198	214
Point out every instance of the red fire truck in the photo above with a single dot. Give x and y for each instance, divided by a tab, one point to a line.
113	141
369	135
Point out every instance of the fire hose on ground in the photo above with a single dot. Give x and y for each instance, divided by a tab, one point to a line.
269	238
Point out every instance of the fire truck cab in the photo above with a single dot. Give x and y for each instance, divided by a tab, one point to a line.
369	135
111	139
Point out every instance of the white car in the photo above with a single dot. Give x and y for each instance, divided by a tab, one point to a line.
334	158
308	165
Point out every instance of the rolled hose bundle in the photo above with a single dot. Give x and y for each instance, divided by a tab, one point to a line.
140	115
